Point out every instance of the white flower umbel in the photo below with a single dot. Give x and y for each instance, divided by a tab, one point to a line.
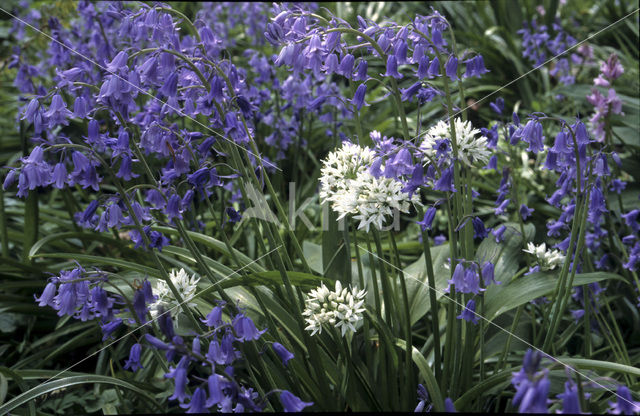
185	284
339	169
377	198
350	189
471	147
547	259
341	308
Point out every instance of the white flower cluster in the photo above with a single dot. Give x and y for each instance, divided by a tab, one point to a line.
341	308
471	148
185	285
547	259
350	188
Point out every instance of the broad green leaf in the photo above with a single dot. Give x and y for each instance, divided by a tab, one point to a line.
216	245
425	371
504	297
47	387
85	258
507	254
418	284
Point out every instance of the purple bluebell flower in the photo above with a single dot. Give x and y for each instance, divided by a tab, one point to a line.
502	208
475	67
215	385
245	328
525	211
47	296
570	399
426	222
497	106
179	376
468	313
625	404
434	68
498	233
423	396
361	71
214	318
358	97
109	328
439	239
532	385
133	363
451	68
423	67
198	403
58	112
392	67
292	403
445	183
479	231
284	354
488	274
448	406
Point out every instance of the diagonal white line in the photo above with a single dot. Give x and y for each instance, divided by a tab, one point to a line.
177	110
143	325
537	67
500	328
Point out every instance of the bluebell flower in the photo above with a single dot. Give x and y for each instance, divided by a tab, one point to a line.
80	107
284	354
346	66
532	134
59	175
499	232
140	305
445	182
215	384
58	112
423	67
570	399
625	404
532	385
451	68
423	396
475	67
434	68
392	67
118	62
525	211
198	403
292	403
358	97
468	313
133	362
156	343
33	114
439	239
479	230
426	222
361	71
109	328
214	318
179	376
488	274
493	163
245	328
406	94
448	406
502	208
498	105
47	296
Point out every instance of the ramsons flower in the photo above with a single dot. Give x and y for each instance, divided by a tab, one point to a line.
472	148
341	308
547	259
185	285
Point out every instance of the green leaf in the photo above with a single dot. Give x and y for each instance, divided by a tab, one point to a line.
85	258
507	296
216	245
301	279
47	387
505	255
418	283
427	374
